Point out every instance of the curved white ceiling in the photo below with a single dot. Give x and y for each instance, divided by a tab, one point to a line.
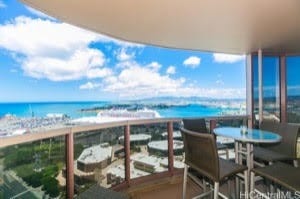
229	26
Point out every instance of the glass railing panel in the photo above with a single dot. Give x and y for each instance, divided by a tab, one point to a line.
232	122
229	142
178	147
148	149
99	159
33	170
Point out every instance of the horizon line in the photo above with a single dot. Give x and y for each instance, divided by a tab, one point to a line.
125	100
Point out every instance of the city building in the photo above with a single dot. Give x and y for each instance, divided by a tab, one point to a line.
176	135
161	147
98	156
137	139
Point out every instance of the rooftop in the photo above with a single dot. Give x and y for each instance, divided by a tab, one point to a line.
176	134
119	171
95	154
137	137
163	145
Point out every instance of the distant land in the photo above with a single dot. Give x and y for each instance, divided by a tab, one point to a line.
166	106
166	99
168	102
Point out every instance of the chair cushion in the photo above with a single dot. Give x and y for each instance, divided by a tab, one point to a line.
282	174
269	155
228	168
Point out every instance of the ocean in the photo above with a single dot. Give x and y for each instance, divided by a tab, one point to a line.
74	109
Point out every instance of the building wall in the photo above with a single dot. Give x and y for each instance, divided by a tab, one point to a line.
113	179
144	167
91	167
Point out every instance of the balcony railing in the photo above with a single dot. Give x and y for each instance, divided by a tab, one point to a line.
65	154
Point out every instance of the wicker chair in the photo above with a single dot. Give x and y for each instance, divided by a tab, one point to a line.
270	125
283	151
201	155
280	174
199	125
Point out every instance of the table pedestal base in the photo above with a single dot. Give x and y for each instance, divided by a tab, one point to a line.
244	151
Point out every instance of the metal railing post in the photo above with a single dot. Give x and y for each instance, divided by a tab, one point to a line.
260	85
212	125
283	90
170	147
249	123
249	89
69	140
127	152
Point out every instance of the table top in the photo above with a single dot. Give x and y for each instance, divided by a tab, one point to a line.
252	135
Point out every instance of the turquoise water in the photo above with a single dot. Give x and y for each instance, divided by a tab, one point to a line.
72	109
192	110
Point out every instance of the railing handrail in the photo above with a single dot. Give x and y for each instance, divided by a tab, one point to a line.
69	132
20	139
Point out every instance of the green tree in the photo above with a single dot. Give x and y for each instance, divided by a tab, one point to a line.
35	179
17	157
50	186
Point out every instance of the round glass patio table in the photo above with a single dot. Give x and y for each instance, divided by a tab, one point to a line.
243	141
251	135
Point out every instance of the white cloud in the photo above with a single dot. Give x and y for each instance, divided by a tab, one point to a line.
290	87
220	82
171	70
82	63
222	93
99	73
124	44
123	55
227	58
142	81
192	62
39	13
53	50
137	81
59	52
2	4
154	66
89	86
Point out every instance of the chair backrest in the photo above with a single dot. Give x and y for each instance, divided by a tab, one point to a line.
271	125
201	153
288	144
196	125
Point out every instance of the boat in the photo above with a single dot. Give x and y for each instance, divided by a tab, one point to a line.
124	113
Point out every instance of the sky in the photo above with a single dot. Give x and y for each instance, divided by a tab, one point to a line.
44	59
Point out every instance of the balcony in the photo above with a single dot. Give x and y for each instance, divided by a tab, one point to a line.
130	156
144	158
133	157
116	156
